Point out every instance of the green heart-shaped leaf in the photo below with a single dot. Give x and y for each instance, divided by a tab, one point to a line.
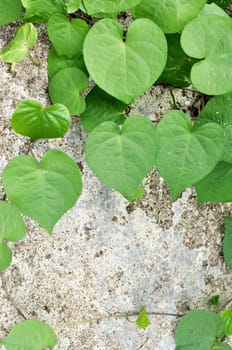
216	186
142	320
219	110
122	157
18	48
67	36
171	15
30	334
108	6
65	87
10	10
209	38
32	120
44	191
227	242
101	107
5	256
56	63
199	330
186	153
125	69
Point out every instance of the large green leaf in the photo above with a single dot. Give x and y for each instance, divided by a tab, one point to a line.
178	66
67	36
171	15
216	186
209	38
101	107
32	120
65	87
41	11
44	191
122	156
25	37
227	243
56	62
125	68
186	153
10	10
219	110
108	6
226	315
5	256
199	330
30	335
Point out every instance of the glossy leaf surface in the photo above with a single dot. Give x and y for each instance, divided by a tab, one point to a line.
125	68
186	153
32	120
44	191
209	38
30	334
171	15
122	156
67	36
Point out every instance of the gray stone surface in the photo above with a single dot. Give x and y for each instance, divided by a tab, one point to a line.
107	256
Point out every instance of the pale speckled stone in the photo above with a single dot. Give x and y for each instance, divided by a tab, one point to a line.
106	256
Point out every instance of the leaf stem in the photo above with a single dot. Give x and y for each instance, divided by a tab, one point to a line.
2	96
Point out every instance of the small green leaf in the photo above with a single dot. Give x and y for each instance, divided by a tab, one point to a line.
125	68
101	107
219	110
65	87
216	186
18	48
122	156
186	153
5	256
56	63
227	243
226	315
199	330
67	36
143	320
178	67
171	15
44	191
209	38
30	334
10	10
216	301
105	6
32	120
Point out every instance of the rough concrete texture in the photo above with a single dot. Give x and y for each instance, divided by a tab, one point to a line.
107	256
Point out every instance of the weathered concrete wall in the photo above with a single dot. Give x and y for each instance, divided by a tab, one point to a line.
107	256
